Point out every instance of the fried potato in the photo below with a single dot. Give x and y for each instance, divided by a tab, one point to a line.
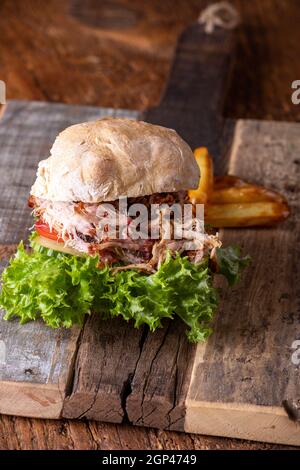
246	214
203	192
230	201
228	181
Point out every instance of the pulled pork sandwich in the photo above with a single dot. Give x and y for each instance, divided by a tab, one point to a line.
77	265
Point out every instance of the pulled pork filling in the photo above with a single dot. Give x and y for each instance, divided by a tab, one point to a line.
82	227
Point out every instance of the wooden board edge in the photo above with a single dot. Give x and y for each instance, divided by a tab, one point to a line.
264	423
235	128
31	400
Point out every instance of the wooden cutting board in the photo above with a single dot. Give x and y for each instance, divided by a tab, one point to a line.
244	381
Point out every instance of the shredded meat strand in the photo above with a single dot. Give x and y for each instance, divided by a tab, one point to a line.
78	224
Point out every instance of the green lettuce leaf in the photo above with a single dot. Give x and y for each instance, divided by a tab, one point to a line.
231	263
61	289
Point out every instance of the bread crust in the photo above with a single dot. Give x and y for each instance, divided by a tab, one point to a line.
112	157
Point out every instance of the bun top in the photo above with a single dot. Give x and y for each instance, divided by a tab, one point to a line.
105	159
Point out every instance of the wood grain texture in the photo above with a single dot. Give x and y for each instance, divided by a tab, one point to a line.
106	361
121	59
244	380
267	61
161	378
36	363
137	376
195	92
38	434
125	50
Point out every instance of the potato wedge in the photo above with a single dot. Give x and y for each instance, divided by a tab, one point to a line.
205	188
246	214
232	202
242	194
228	181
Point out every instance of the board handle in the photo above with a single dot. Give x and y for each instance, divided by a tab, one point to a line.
193	99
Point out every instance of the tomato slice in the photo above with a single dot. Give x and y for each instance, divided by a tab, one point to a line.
43	229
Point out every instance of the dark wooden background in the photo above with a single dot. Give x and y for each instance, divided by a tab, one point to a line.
118	53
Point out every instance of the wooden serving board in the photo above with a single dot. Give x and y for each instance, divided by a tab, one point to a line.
242	382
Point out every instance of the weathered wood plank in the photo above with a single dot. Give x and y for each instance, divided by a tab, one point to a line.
36	363
161	379
106	360
244	374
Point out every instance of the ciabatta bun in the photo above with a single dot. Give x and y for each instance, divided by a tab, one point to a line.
105	159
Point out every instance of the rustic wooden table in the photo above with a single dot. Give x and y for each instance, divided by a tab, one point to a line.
118	53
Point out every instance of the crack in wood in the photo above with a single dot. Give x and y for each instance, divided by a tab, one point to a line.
175	386
71	378
95	396
140	420
127	386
